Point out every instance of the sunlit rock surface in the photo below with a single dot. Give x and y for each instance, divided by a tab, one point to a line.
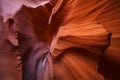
10	7
60	40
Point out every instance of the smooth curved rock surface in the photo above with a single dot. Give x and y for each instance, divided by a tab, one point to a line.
68	40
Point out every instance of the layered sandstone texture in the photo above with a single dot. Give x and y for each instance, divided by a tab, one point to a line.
59	40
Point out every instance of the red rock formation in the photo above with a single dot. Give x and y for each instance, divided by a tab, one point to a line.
9	64
80	36
34	42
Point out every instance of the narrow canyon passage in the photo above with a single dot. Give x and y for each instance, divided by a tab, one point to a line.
59	40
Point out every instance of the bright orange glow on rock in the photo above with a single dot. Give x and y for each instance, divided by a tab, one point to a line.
59	40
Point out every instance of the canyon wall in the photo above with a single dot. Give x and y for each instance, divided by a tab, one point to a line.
63	40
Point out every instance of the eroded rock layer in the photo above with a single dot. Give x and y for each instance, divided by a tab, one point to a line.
62	40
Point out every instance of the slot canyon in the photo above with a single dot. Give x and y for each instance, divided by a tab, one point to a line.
59	39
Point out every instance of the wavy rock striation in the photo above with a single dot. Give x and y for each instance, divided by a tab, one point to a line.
61	40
